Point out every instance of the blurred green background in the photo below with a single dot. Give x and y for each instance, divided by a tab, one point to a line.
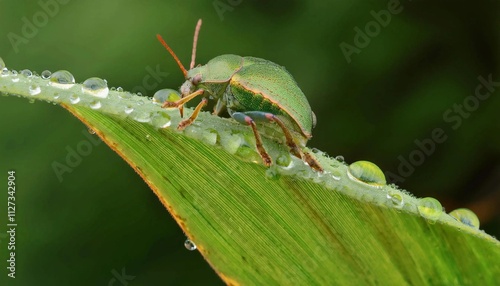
396	85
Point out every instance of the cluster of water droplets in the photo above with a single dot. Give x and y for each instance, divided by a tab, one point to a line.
94	93
369	174
60	87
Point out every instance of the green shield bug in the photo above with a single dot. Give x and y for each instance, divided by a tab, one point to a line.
251	90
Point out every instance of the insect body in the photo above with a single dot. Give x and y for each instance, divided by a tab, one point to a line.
252	90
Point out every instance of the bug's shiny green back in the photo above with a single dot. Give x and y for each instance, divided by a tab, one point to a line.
279	91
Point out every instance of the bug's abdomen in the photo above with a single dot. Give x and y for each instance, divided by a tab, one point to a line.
245	100
269	87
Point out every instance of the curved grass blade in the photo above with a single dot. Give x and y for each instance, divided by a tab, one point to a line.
286	224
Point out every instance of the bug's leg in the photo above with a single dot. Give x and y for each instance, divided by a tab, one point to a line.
219	107
294	148
181	110
183	100
269	117
186	122
312	162
245	119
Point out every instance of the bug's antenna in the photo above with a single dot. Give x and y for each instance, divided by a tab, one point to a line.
195	41
183	69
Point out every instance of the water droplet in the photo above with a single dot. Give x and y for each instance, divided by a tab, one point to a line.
62	79
340	158
336	175
189	245
366	172
141	116
128	109
46	74
95	104
5	72
2	64
166	94
430	208
119	89
91	131
124	95
466	216
26	73
15	76
56	95
395	198
74	99
148	137
31	100
317	151
231	142
210	136
285	161
249	153
161	120
96	87
34	89
272	173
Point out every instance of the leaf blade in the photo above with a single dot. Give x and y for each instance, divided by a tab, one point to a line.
283	229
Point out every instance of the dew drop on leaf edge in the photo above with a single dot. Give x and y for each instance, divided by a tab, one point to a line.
340	158
128	109
395	198
74	99
46	74
95	86
466	217
34	89
62	79
15	76
189	245
95	104
429	208
161	120
367	172
26	73
166	94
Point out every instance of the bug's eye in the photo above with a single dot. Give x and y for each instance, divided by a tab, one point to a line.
196	79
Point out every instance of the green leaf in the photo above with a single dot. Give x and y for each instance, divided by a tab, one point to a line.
282	225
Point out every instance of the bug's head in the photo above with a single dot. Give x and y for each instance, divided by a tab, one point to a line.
192	82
